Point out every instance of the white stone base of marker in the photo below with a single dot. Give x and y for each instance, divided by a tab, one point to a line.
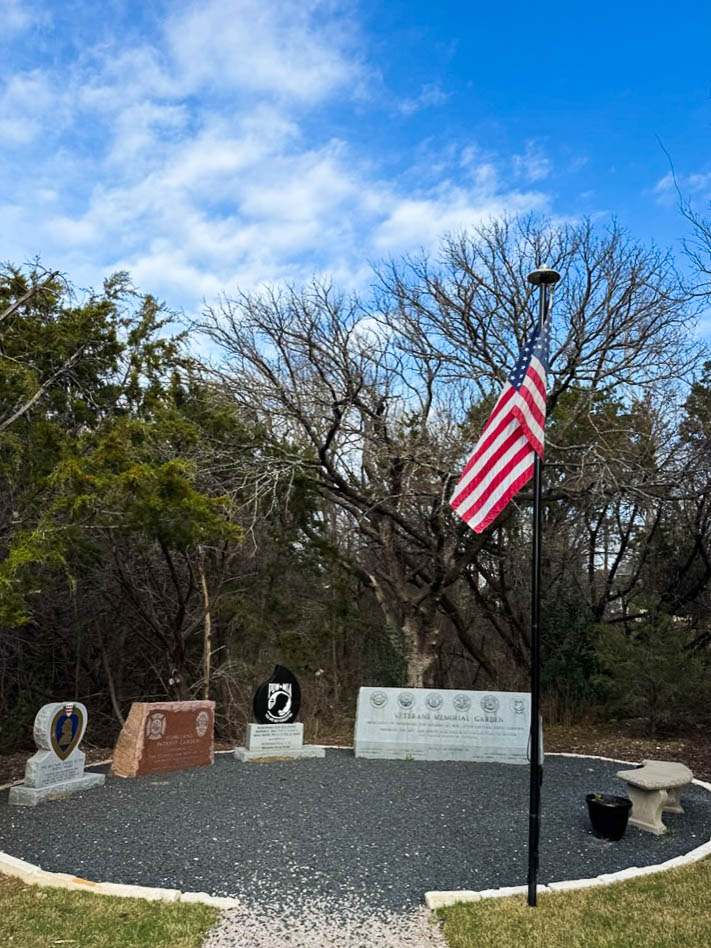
277	740
22	795
58	766
443	724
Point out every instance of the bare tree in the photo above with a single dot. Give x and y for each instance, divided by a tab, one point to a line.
383	402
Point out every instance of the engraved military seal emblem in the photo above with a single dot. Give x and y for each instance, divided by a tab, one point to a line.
489	704
155	726
462	703
202	722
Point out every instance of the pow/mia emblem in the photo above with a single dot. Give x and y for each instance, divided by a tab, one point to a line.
462	702
434	701
278	701
406	700
155	726
378	699
490	704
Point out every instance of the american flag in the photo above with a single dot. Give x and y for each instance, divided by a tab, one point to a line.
503	460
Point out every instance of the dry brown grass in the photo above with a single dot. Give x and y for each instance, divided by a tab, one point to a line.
666	910
33	917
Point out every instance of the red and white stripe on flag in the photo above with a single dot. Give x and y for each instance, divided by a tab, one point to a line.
503	459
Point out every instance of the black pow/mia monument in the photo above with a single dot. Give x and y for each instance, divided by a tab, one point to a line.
277	700
277	734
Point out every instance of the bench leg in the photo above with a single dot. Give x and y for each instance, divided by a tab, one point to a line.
647	806
673	804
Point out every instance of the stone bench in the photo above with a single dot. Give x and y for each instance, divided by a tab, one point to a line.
654	787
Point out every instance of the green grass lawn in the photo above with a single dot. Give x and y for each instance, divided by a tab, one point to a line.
666	910
33	917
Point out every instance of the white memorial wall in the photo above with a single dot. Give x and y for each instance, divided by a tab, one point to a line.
443	724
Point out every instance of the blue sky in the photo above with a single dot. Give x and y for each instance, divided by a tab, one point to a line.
223	144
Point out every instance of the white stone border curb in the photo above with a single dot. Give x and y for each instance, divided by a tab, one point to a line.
435	900
34	875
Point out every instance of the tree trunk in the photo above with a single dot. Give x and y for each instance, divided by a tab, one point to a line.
115	703
420	657
207	647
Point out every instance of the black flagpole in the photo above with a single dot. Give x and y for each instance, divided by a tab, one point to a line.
543	277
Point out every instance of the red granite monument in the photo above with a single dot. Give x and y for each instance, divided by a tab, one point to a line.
163	736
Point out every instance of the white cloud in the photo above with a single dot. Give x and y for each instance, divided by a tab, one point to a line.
421	222
533	165
430	96
665	185
188	159
187	280
698	183
689	186
110	77
293	49
139	128
15	17
226	211
27	101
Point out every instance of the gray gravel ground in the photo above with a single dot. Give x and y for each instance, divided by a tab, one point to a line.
320	924
342	839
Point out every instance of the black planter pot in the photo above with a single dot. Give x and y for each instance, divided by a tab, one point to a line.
608	815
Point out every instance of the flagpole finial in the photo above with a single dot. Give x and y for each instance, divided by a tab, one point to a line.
543	276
